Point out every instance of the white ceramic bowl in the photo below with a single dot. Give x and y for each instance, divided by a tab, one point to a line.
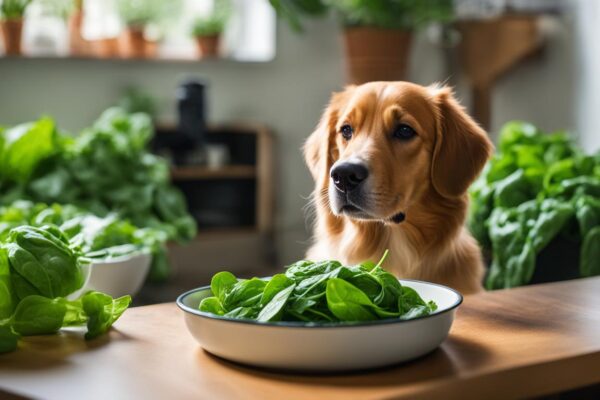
325	347
119	276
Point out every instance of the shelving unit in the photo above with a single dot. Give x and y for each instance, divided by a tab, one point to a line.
233	206
200	172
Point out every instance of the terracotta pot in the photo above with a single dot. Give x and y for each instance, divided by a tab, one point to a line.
133	43
12	30
150	48
77	44
376	54
105	48
208	46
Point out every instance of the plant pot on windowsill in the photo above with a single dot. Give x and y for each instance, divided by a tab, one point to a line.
376	54
208	46
77	44
133	43
12	31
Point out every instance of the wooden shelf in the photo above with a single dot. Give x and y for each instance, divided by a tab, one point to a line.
116	59
201	172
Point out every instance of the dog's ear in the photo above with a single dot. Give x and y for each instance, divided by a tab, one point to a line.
461	146
320	150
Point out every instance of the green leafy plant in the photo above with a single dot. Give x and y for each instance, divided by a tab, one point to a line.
392	14
537	187
141	13
208	26
13	9
214	23
292	11
136	100
104	170
39	268
99	238
316	292
60	8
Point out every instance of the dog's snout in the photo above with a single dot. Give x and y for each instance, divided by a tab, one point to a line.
348	175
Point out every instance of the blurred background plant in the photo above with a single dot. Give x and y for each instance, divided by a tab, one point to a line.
293	11
140	13
13	9
60	8
135	100
208	29
214	23
392	14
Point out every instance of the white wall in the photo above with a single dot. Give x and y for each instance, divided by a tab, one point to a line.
287	94
588	72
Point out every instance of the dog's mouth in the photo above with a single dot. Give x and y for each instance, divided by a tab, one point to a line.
355	212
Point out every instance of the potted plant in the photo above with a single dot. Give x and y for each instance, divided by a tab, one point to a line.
11	15
207	30
77	44
136	16
377	33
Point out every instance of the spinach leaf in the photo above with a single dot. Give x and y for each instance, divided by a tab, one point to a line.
6	294
42	263
212	305
276	284
24	146
273	309
102	311
222	283
245	293
9	339
347	302
38	315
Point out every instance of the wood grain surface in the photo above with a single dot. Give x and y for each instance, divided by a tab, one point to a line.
506	344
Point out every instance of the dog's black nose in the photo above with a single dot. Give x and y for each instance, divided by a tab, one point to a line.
348	175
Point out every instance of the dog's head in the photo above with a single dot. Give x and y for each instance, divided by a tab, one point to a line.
381	146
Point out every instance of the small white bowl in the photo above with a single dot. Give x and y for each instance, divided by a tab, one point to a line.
323	347
119	276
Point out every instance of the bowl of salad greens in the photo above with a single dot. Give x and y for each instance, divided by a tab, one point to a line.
320	316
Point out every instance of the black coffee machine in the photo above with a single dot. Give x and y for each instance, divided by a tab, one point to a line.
190	135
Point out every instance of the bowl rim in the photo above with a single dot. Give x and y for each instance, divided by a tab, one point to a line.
312	325
142	253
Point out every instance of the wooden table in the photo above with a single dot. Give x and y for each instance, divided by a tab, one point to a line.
515	343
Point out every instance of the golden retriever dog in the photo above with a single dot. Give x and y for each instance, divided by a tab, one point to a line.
392	162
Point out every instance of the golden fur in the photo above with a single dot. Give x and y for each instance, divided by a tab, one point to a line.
426	178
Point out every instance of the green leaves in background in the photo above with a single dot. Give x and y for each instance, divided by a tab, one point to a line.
215	22
537	187
106	170
13	9
316	292
24	146
391	14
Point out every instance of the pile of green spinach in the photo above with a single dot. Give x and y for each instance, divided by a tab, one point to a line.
98	237
537	186
39	268
106	169
322	292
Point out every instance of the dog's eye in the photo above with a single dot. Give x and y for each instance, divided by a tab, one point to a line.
346	131
404	132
